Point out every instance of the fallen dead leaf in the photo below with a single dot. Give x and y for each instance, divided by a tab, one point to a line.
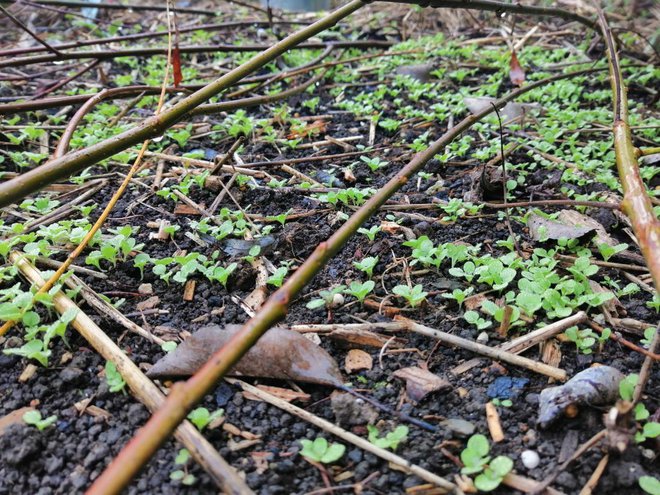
420	382
516	72
13	418
358	360
280	353
541	229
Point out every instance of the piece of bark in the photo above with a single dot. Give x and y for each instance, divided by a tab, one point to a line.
420	382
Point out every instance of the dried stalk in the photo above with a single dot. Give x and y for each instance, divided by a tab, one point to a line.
150	51
491	352
143	388
184	395
63	167
636	203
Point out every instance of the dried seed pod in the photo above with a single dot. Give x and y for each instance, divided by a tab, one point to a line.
597	386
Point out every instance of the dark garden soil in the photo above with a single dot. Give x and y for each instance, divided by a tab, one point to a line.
68	456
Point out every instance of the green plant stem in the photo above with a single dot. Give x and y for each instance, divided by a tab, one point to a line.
501	7
636	203
63	167
185	395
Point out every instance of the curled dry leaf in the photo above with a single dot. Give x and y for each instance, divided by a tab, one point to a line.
280	353
516	72
541	228
595	386
420	382
358	360
510	111
420	72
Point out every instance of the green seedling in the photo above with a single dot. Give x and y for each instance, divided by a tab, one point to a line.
649	484
201	417
649	333
502	402
115	381
367	265
389	441
374	163
361	290
627	387
414	295
277	278
649	430
370	233
34	418
33	349
476	460
473	318
327	299
459	295
182	458
320	451
168	346
585	339
221	274
607	251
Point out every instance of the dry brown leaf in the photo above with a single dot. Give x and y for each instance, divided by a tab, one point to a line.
420	382
541	228
516	72
280	353
13	418
358	360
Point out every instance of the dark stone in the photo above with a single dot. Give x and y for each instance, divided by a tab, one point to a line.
506	387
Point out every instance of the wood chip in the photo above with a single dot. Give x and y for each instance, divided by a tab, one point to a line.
149	303
27	373
260	461
236	431
13	418
365	338
189	291
494	425
358	360
184	209
420	382
243	444
285	394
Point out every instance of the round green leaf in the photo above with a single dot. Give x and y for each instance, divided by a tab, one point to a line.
486	483
501	465
650	485
479	444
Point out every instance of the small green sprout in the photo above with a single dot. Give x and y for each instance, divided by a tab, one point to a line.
391	440
34	418
328	298
360	290
374	163
627	386
168	346
459	295
476	460
473	318
367	265
320	451
182	475
415	295
201	417
649	484
502	402
114	378
277	278
370	233
607	251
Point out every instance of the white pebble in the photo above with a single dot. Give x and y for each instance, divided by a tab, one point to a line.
337	300
530	459
482	338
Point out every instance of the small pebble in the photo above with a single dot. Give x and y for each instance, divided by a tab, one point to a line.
530	459
482	338
337	300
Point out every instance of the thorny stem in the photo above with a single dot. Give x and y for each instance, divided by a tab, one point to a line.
184	395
